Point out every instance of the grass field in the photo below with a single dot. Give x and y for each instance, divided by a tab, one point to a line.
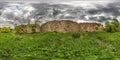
60	46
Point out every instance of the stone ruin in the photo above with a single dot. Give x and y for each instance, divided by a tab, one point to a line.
30	28
60	26
90	27
64	26
70	26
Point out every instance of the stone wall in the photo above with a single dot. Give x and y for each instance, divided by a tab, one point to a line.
64	26
70	26
60	26
90	27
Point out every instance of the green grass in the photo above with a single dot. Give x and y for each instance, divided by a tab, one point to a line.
60	46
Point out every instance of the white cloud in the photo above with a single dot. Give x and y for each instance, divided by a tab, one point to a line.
87	4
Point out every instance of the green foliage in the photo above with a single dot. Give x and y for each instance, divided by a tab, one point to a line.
107	26
112	26
116	22
18	29
5	30
60	46
76	35
28	28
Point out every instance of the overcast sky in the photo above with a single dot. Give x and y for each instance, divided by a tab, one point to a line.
58	1
69	2
93	10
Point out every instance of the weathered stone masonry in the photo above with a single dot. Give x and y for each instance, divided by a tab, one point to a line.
70	26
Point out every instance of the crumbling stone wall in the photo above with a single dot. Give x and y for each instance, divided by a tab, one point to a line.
24	28
30	28
90	27
60	26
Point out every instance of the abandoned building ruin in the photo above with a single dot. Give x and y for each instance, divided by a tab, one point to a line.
60	26
90	27
70	26
63	26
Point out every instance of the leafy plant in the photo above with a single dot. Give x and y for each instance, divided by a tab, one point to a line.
62	46
18	29
5	30
112	26
76	35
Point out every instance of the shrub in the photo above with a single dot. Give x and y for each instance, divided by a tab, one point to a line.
5	30
107	26
112	26
18	29
76	35
116	22
18	37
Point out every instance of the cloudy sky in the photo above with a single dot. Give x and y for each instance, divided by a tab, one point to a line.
58	1
76	10
69	2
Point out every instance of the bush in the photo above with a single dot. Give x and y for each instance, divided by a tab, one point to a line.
107	26
18	29
76	35
116	22
5	30
112	26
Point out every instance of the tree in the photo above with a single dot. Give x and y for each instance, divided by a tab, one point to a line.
37	26
112	27
18	29
116	22
107	26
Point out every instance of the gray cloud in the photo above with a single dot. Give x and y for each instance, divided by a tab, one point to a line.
99	13
111	9
45	11
52	1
